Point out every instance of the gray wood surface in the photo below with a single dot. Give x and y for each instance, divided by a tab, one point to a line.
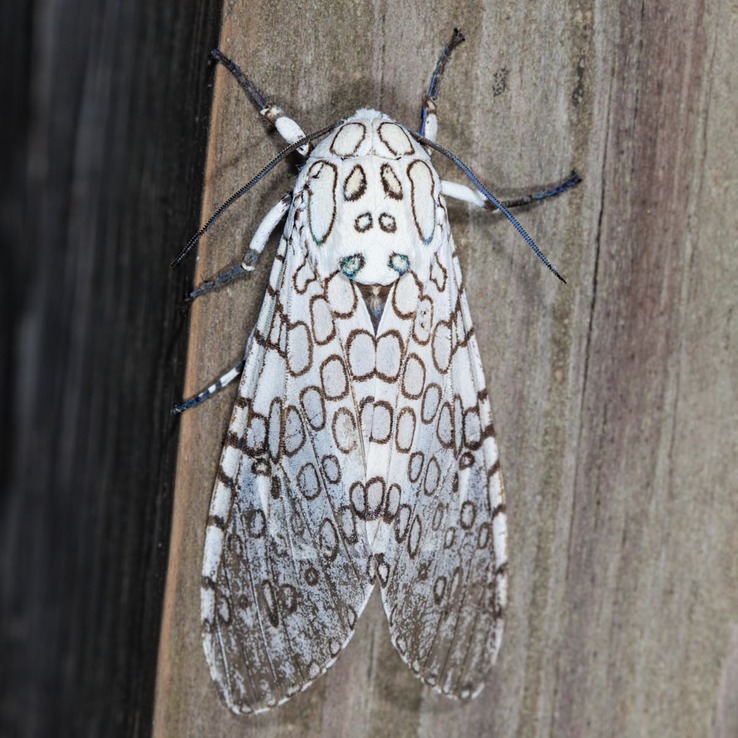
614	397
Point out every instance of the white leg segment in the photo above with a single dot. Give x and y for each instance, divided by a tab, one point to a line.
475	197
464	193
286	127
265	229
431	120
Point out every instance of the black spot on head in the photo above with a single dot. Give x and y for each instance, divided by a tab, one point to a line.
387	223
363	222
390	182
355	184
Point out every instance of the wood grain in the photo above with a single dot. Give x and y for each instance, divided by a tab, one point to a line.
614	397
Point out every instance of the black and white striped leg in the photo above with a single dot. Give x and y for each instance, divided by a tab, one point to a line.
428	118
209	391
286	127
258	242
475	197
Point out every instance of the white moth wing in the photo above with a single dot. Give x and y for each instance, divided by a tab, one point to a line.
444	547
382	494
285	565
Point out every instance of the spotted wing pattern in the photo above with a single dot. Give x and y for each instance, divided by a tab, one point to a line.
445	587
361	446
286	569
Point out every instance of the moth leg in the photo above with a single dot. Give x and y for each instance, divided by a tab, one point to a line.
287	128
428	118
475	197
210	390
258	242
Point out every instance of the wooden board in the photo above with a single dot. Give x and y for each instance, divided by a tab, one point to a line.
614	397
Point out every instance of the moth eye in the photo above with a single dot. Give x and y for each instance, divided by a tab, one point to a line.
390	182
351	265
400	263
363	222
387	223
355	185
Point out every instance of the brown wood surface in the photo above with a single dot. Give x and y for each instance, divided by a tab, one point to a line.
614	397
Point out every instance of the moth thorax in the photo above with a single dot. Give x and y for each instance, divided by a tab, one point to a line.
372	197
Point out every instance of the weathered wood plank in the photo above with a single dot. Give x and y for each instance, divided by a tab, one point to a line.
614	397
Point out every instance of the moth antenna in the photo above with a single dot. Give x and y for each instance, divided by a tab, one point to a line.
285	152
478	184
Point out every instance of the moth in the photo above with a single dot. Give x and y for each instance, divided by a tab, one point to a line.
361	452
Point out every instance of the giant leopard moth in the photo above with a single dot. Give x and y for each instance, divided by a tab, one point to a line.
361	449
